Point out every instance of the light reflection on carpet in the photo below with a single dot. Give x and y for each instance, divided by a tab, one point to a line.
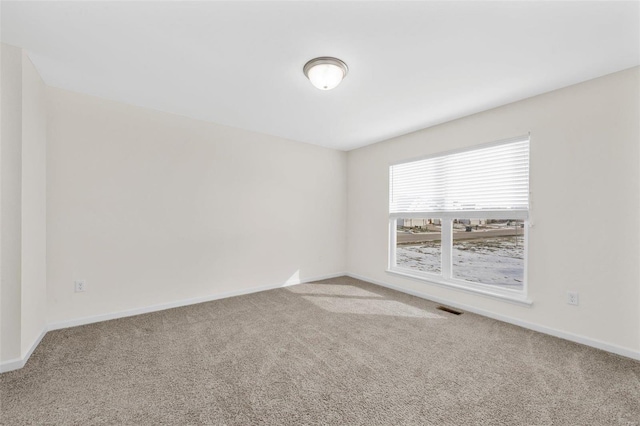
342	305
332	290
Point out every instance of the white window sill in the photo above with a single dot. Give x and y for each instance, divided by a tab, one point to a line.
505	295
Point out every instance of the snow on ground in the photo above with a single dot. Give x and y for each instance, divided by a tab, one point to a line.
496	261
424	257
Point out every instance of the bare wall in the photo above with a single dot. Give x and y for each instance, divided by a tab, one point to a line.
585	187
10	201
152	208
34	214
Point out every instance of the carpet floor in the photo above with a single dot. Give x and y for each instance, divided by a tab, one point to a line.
338	351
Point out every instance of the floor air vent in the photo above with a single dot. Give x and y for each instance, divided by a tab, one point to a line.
451	311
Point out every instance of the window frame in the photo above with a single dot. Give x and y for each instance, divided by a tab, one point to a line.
446	278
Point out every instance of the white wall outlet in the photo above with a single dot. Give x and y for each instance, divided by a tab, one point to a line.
572	297
80	285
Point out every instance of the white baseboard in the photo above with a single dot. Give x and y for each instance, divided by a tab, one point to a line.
12	364
185	302
18	363
619	350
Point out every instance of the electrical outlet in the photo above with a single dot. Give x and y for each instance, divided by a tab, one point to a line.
80	285
572	297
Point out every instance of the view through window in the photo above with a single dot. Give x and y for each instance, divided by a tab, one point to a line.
419	244
489	251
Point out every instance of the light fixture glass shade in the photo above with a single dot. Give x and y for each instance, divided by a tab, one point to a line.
325	73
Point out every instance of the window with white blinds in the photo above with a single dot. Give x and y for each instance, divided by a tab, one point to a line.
492	179
461	219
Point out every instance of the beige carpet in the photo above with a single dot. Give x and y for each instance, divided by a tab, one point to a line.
339	351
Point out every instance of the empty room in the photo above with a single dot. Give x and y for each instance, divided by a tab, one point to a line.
320	213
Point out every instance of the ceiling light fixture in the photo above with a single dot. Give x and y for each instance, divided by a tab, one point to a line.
325	72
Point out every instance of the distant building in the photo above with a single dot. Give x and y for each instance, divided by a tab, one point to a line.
417	223
473	222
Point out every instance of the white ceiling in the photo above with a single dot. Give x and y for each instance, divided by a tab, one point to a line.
411	64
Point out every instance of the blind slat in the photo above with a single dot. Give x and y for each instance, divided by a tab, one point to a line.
489	178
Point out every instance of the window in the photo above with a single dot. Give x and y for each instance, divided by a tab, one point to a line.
460	218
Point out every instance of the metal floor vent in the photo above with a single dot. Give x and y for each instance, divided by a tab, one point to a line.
451	311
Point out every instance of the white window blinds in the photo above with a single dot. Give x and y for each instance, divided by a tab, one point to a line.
489	179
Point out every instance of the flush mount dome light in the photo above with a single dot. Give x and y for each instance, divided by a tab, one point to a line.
325	72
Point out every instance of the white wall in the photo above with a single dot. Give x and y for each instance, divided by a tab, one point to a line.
585	184
152	208
23	208
10	199
34	215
